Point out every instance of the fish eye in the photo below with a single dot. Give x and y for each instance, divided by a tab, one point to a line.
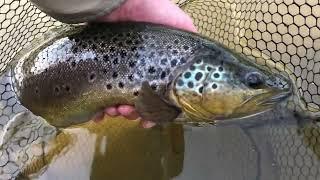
254	80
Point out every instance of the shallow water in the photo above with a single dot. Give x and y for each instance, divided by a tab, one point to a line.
274	146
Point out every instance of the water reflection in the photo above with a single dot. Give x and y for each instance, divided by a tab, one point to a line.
114	149
274	145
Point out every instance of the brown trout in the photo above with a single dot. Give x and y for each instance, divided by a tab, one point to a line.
165	72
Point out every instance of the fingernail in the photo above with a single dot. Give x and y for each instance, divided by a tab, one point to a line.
148	124
111	111
98	117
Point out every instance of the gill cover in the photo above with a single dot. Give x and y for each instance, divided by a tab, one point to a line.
213	86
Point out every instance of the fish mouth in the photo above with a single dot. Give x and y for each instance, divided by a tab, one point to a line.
277	97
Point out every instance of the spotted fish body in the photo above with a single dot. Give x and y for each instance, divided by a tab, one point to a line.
72	77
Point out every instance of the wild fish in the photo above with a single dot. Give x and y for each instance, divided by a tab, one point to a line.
165	72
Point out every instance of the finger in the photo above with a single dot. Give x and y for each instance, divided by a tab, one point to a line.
147	124
111	111
128	112
155	11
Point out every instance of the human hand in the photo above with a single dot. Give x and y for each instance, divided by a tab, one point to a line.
155	11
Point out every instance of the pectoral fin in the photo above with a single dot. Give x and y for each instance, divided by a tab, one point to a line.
153	108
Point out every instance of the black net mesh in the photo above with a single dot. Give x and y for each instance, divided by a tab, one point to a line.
281	34
20	23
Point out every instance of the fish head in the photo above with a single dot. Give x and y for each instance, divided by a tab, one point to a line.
221	86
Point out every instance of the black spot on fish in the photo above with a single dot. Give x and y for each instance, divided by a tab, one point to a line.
201	89
142	48
120	44
93	46
169	46
75	49
176	41
198	61
182	60
112	49
136	42
109	86
84	46
152	45
36	90
130	77
152	54
115	61
142	62
114	40
185	47
216	75
174	62
214	86
198	76
180	82
161	53
103	44
57	89
67	88
164	61
92	77
190	84
136	93
154	87
121	85
105	71
129	42
151	70
123	53
163	75
192	68
114	75
209	68
145	37
73	64
187	75
132	64
76	40
175	52
137	55
220	69
133	48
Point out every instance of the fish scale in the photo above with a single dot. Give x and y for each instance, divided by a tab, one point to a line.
71	78
114	60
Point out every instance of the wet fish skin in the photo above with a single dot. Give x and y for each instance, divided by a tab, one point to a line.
71	78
